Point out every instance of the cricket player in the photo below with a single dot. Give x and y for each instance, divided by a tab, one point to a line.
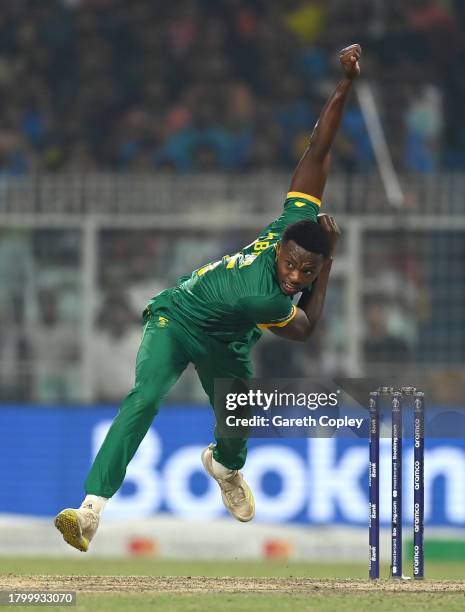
216	315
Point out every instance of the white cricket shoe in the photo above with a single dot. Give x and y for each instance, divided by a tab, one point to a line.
236	493
78	526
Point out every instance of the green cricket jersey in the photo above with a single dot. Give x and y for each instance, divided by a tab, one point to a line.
235	297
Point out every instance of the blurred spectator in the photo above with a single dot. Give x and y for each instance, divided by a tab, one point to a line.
16	299
14	157
55	349
307	20
16	276
114	349
394	276
278	359
380	346
423	131
358	154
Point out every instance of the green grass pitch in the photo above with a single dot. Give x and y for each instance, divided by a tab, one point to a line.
144	584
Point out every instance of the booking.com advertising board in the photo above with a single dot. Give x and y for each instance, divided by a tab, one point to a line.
45	453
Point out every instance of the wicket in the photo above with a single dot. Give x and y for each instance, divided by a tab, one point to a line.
397	397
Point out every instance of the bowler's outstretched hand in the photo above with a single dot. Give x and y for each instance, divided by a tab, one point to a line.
349	58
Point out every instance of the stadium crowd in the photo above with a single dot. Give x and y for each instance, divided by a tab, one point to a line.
231	85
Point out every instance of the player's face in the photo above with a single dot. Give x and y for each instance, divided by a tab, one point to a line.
296	267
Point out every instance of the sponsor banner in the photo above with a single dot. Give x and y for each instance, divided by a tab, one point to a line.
45	453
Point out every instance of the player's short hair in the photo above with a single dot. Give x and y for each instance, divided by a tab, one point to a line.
308	235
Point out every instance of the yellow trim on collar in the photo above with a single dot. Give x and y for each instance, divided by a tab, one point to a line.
281	323
299	194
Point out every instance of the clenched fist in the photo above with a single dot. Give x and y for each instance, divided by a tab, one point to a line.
349	58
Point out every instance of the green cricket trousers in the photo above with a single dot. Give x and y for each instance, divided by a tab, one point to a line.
167	347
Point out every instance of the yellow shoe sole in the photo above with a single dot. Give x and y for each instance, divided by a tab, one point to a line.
67	523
